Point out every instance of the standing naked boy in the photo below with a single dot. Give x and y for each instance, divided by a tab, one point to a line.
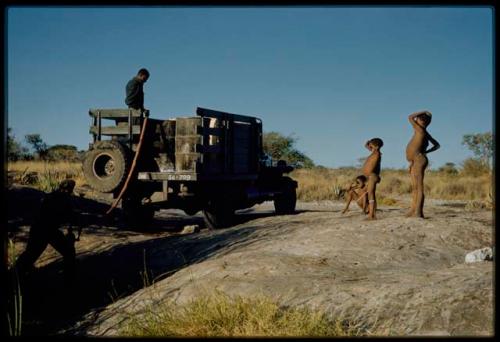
371	169
416	154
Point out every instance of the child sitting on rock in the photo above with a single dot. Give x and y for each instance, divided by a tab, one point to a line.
357	192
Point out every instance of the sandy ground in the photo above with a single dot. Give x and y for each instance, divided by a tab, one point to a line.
392	276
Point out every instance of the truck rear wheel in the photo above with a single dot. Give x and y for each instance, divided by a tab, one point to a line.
219	214
105	167
285	202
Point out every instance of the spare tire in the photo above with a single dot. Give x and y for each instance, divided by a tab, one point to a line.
106	166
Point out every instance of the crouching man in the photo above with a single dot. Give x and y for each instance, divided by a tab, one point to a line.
55	211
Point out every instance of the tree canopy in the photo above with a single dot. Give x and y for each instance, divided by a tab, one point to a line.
481	144
37	144
15	150
282	147
63	152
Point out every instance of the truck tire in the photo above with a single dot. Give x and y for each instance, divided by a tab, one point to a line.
191	211
105	167
285	202
135	214
218	214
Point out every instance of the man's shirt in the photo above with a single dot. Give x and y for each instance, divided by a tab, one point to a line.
134	94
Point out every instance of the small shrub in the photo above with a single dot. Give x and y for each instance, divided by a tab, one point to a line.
221	315
49	180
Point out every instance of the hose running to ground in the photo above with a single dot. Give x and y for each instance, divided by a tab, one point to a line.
132	168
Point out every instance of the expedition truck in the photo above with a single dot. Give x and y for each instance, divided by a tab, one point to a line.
213	162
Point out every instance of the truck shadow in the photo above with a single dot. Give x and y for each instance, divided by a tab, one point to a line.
24	203
175	220
51	306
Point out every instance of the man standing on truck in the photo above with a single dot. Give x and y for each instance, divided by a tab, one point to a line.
134	90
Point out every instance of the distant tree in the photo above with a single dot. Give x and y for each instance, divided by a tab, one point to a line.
481	144
62	152
38	145
449	168
320	167
15	150
299	159
282	147
276	144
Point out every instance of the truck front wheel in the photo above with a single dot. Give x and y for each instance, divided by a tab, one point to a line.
218	214
285	202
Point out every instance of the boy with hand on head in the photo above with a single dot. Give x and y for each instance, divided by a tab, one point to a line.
416	154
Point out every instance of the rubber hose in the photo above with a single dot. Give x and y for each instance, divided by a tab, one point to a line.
132	168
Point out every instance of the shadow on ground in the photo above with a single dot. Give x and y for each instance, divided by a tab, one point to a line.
51	305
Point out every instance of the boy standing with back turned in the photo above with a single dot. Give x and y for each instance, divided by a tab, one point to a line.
371	170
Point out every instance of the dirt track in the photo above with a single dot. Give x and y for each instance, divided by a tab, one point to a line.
393	276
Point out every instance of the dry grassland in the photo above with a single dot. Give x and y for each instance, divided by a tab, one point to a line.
314	184
328	184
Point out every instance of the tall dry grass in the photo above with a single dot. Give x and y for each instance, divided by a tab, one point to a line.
314	184
14	295
218	314
323	184
46	175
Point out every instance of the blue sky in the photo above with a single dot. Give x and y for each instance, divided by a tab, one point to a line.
333	76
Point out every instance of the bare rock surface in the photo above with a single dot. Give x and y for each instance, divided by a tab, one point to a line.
397	276
392	276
